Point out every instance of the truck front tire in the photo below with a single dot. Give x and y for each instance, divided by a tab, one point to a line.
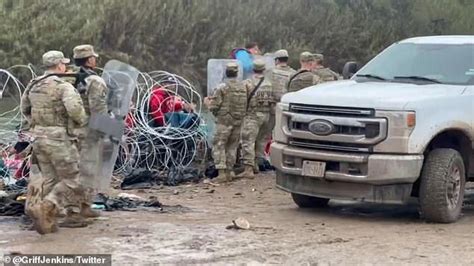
442	186
304	201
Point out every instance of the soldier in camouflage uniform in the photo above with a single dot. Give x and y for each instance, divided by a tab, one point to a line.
305	77
228	105
324	73
281	74
53	108
94	96
256	123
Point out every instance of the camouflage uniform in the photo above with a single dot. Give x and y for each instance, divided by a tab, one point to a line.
52	108
326	74
256	124
94	97
228	105
304	78
280	76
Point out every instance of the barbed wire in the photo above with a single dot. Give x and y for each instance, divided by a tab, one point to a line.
11	89
145	144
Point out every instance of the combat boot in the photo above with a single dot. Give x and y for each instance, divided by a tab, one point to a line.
73	220
222	177
44	215
256	170
247	173
231	175
88	212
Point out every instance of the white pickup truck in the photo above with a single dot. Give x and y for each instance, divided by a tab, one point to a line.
401	127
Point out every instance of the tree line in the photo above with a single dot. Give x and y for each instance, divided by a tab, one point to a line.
181	35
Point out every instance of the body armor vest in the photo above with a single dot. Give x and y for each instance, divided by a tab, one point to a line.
47	109
235	100
326	74
280	78
263	99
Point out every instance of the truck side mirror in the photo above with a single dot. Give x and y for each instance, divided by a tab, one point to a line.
350	68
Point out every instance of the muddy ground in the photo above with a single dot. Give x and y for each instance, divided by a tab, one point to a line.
345	233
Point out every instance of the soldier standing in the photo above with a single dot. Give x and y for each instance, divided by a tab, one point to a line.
281	73
94	96
324	73
280	76
228	105
52	107
305	77
256	123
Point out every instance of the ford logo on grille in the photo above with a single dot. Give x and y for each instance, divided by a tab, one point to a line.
321	127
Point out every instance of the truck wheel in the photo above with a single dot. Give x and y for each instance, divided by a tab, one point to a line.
304	201
442	186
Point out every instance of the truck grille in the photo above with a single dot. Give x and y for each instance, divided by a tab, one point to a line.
370	131
350	129
333	146
332	111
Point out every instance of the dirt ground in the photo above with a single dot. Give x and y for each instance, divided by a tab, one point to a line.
345	233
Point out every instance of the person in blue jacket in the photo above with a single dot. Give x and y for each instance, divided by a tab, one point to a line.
245	57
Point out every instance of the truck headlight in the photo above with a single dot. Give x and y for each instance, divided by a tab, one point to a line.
400	126
284	106
281	122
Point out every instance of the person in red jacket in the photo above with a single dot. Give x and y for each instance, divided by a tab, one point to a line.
163	101
130	121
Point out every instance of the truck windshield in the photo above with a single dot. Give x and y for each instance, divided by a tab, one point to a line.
422	63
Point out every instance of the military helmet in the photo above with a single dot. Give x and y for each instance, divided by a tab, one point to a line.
232	66
307	57
258	65
281	53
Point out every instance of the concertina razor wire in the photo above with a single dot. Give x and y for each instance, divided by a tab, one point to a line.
144	145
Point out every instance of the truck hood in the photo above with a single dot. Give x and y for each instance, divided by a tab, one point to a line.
377	95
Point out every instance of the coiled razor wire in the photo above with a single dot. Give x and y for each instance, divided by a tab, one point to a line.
11	89
165	147
159	149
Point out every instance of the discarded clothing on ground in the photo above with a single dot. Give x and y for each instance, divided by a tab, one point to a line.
12	199
10	206
182	175
142	178
126	203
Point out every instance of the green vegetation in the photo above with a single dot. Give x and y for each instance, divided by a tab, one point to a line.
180	35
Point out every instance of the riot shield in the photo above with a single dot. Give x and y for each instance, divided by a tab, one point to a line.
269	64
269	59
216	73
121	80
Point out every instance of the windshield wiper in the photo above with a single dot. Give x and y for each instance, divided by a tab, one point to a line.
370	76
418	78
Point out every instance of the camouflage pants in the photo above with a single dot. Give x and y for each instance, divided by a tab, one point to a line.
255	130
226	141
90	150
59	178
